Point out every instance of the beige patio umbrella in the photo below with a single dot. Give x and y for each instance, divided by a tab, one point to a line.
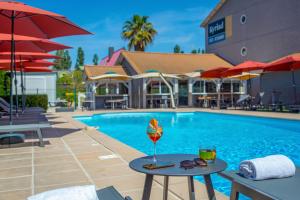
154	75
244	76
111	76
163	76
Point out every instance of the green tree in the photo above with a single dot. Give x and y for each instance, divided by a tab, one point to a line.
177	49
64	62
194	51
67	60
58	63
139	32
95	59
4	83
68	83
80	58
203	51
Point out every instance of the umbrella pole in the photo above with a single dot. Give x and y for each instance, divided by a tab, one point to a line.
16	86
12	48
294	87
22	88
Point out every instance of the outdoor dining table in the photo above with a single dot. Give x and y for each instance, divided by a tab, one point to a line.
176	170
115	101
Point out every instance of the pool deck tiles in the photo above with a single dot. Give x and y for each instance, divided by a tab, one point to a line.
76	155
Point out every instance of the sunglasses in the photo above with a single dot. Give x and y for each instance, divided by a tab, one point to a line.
190	164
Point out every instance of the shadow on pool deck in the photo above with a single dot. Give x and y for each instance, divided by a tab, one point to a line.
71	157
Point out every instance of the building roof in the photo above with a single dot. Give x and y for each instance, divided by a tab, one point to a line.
213	12
93	71
111	62
171	63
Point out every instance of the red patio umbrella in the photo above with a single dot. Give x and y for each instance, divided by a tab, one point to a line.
287	63
28	69
246	66
215	73
18	18
35	22
28	44
26	63
28	55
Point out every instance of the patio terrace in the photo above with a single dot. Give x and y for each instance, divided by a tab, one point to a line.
76	155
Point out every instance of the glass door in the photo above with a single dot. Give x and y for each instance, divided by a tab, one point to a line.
183	94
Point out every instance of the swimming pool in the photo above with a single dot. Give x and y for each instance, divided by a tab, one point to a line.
235	137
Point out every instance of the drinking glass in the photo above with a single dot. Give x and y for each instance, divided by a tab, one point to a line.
154	132
208	153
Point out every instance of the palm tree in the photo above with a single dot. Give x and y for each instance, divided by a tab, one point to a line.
139	32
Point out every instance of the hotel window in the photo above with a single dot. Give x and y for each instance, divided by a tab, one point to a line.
236	87
101	89
153	87
164	88
123	89
243	51
112	88
198	87
210	87
226	87
243	19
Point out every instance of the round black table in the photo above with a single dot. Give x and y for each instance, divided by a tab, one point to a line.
217	166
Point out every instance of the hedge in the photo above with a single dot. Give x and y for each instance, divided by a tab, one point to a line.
32	100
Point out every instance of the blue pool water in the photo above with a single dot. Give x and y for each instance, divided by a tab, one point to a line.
235	137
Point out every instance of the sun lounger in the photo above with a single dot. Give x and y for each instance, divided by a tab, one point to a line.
5	106
26	127
110	193
294	108
285	188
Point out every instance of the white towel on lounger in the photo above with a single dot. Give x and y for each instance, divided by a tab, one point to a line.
274	166
87	192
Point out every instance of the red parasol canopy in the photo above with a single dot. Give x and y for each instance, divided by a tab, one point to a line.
246	66
28	44
28	69
28	56
214	73
36	22
26	63
287	63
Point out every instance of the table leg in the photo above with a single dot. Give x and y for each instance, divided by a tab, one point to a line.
166	187
191	187
147	187
40	136
234	195
209	188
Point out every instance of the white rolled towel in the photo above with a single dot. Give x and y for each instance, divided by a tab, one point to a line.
87	192
274	166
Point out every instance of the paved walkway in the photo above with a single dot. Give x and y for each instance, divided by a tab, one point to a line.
75	156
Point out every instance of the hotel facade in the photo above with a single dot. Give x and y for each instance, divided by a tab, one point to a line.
259	30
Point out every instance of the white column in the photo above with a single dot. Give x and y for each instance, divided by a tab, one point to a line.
144	92
190	91
176	90
93	95
118	88
218	87
130	93
245	87
231	91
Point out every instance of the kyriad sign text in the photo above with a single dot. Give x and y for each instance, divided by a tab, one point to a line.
216	31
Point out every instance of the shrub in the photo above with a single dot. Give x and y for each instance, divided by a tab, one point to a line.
32	100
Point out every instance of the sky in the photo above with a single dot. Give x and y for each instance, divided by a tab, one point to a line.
176	21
